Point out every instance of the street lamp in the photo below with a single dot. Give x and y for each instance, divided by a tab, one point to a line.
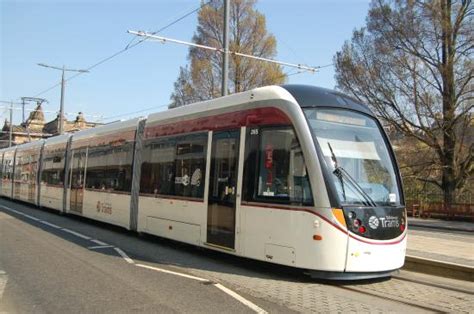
61	108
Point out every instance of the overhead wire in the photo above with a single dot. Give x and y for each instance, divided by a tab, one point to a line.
134	112
127	47
296	72
325	66
167	105
133	44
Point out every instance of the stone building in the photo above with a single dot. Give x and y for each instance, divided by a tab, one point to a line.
35	128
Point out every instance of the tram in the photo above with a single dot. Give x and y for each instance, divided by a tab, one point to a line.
294	175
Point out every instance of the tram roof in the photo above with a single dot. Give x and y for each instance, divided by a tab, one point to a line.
58	139
306	96
309	96
106	129
31	145
222	104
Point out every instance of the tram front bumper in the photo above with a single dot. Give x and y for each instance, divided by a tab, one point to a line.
375	256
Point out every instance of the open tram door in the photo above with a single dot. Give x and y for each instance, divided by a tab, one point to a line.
77	183
223	189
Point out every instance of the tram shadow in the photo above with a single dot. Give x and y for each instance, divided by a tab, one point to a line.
162	252
203	259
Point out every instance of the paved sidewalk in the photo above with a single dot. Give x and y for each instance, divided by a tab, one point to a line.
441	224
441	246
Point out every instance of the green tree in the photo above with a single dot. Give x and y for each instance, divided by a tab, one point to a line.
412	63
201	80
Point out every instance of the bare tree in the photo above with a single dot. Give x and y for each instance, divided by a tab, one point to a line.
412	64
248	34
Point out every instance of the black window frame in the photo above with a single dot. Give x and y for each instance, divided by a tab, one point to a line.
152	185
252	155
53	176
110	176
8	166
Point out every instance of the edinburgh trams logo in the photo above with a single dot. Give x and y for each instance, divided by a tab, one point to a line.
384	222
374	222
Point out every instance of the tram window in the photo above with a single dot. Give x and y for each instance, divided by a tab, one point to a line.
77	164
157	175
174	166
25	168
53	168
7	168
109	167
276	168
190	165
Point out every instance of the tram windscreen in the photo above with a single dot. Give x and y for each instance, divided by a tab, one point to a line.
356	154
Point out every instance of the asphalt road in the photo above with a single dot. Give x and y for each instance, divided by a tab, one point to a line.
51	263
47	270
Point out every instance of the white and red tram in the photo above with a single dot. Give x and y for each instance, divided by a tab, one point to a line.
294	175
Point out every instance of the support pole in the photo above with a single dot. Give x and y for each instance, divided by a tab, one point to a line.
225	53
11	125
61	108
23	110
63	82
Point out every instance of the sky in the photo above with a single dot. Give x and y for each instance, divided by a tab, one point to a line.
80	33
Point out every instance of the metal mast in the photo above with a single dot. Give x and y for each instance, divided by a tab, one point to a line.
225	52
63	82
11	126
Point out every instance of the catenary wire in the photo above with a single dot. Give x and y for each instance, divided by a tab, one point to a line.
127	47
162	106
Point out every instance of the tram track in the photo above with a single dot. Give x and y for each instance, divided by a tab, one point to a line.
433	284
392	299
422	304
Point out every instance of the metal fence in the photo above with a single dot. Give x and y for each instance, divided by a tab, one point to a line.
432	205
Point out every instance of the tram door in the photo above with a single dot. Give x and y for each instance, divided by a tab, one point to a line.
223	189
77	180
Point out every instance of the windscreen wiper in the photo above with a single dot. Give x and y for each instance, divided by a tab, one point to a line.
337	172
341	172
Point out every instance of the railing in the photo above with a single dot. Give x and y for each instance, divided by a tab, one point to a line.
458	211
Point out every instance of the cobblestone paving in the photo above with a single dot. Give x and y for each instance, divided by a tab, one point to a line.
312	297
441	299
309	297
298	296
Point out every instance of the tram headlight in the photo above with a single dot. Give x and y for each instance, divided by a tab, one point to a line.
357	223
351	215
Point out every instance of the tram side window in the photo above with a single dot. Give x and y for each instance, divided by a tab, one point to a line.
53	168
109	167
77	168
278	173
25	170
174	166
17	168
33	169
7	168
157	175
